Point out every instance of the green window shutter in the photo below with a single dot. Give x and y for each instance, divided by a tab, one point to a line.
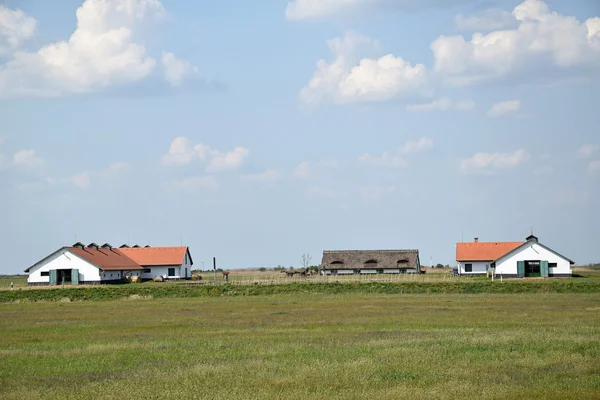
53	277
544	269
75	277
521	269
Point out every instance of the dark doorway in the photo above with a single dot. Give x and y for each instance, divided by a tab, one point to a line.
532	268
63	274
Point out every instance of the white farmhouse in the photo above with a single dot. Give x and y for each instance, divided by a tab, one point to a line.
511	259
93	264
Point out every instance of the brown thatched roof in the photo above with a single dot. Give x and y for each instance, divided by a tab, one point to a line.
371	259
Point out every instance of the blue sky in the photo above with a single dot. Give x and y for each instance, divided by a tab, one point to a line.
258	132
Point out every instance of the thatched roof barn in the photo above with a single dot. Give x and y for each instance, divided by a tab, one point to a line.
370	261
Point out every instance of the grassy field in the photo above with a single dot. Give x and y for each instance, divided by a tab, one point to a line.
304	346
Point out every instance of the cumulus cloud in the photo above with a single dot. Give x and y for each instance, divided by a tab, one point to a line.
108	176
494	161
27	158
412	147
443	104
351	79
182	152
15	28
503	108
541	39
489	20
587	150
176	70
396	159
105	50
228	160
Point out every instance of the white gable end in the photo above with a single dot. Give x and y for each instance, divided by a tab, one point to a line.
63	259
533	251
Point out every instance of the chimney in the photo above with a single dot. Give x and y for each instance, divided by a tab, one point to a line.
476	240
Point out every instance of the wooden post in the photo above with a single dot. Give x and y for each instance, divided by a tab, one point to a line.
215	269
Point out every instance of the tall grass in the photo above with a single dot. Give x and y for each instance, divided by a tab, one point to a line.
305	346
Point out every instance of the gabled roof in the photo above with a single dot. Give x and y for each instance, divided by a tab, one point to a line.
370	259
484	251
148	256
105	259
539	244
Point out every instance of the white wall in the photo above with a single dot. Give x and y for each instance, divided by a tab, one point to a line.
531	252
479	267
163	270
64	259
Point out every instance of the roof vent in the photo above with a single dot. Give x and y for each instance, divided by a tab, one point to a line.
93	245
146	246
107	246
79	245
124	246
136	246
531	238
476	240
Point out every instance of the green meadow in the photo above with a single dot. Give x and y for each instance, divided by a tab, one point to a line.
317	345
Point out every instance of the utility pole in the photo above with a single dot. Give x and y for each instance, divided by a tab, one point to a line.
215	269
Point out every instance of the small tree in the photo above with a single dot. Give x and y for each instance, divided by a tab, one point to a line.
306	259
262	269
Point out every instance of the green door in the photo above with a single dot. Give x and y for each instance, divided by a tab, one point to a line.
521	269
53	277
74	277
544	269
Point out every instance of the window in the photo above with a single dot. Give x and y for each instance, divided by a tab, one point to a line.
148	271
171	271
47	273
552	265
468	267
371	262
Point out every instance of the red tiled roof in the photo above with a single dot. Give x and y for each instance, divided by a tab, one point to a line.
106	259
147	256
483	251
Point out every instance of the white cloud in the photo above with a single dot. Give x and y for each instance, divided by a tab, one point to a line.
88	178
182	151
494	161
442	104
302	171
347	79
412	147
27	158
376	192
384	160
587	150
396	159
503	108
208	183
15	28
229	160
106	49
595	166
541	39
176	70
268	175
489	20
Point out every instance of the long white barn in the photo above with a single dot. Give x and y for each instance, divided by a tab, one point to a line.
93	264
512	259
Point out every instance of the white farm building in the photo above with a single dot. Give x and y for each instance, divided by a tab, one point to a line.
93	264
511	259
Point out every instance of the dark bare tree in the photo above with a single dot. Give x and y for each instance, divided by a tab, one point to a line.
306	259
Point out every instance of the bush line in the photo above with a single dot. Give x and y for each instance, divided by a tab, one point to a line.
180	291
